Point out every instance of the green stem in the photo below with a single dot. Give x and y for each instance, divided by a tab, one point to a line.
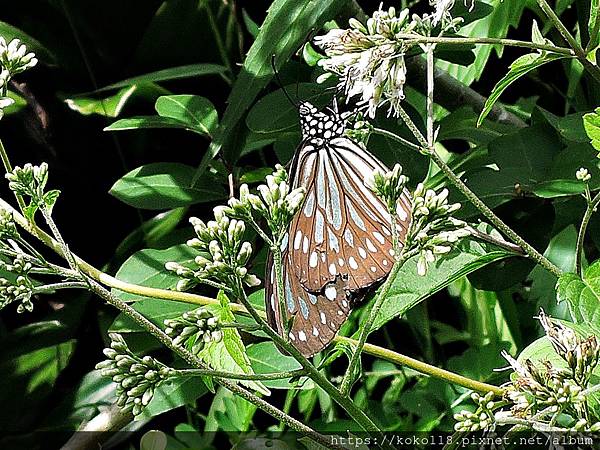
430	65
593	69
591	207
278	266
395	137
239	376
425	368
195	299
218	39
593	33
8	168
46	288
353	411
194	361
366	328
476	201
417	39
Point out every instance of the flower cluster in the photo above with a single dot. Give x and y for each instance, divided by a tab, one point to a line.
21	288
369	59
276	201
14	57
583	175
194	329
482	418
29	180
8	228
538	395
433	229
136	378
388	186
225	257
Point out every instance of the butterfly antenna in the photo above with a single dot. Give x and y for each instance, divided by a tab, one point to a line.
291	100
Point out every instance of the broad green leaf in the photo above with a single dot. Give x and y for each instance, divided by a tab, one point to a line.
558	188
283	31
566	163
230	413
155	309
520	67
261	118
582	295
408	288
172	73
173	393
196	112
165	186
229	354
147	268
144	122
591	123
265	358
9	32
504	14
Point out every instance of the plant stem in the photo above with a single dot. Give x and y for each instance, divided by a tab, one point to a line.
591	208
194	299
194	361
366	327
475	200
353	411
425	368
8	168
417	39
218	39
238	376
592	68
46	288
430	64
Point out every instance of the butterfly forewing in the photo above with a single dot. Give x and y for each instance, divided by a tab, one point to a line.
342	228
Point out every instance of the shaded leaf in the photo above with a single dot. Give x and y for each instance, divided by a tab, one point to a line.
196	112
582	295
164	186
591	123
265	358
520	67
142	122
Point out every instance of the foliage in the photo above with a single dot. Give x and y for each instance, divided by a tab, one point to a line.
182	110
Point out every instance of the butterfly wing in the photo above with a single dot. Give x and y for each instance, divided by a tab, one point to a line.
343	228
316	317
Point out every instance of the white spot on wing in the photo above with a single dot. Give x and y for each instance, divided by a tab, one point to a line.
370	246
330	292
323	318
353	263
362	253
379	236
332	269
313	259
305	245
297	240
302	335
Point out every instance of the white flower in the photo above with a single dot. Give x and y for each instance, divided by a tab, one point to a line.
14	57
583	175
369	60
5	102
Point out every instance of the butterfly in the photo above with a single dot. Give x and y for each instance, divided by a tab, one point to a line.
339	244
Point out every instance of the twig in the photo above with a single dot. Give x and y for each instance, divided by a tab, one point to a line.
238	376
591	208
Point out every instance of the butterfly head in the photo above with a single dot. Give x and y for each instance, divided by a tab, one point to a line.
320	125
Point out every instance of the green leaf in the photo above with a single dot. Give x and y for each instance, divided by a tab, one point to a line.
409	289
229	354
582	296
143	122
265	358
147	268
558	188
165	186
495	24
285	28
153	440
172	73
111	106
8	32
173	393
591	123
197	112
261	118
520	67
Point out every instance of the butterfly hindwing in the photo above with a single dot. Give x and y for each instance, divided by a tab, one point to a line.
316	317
